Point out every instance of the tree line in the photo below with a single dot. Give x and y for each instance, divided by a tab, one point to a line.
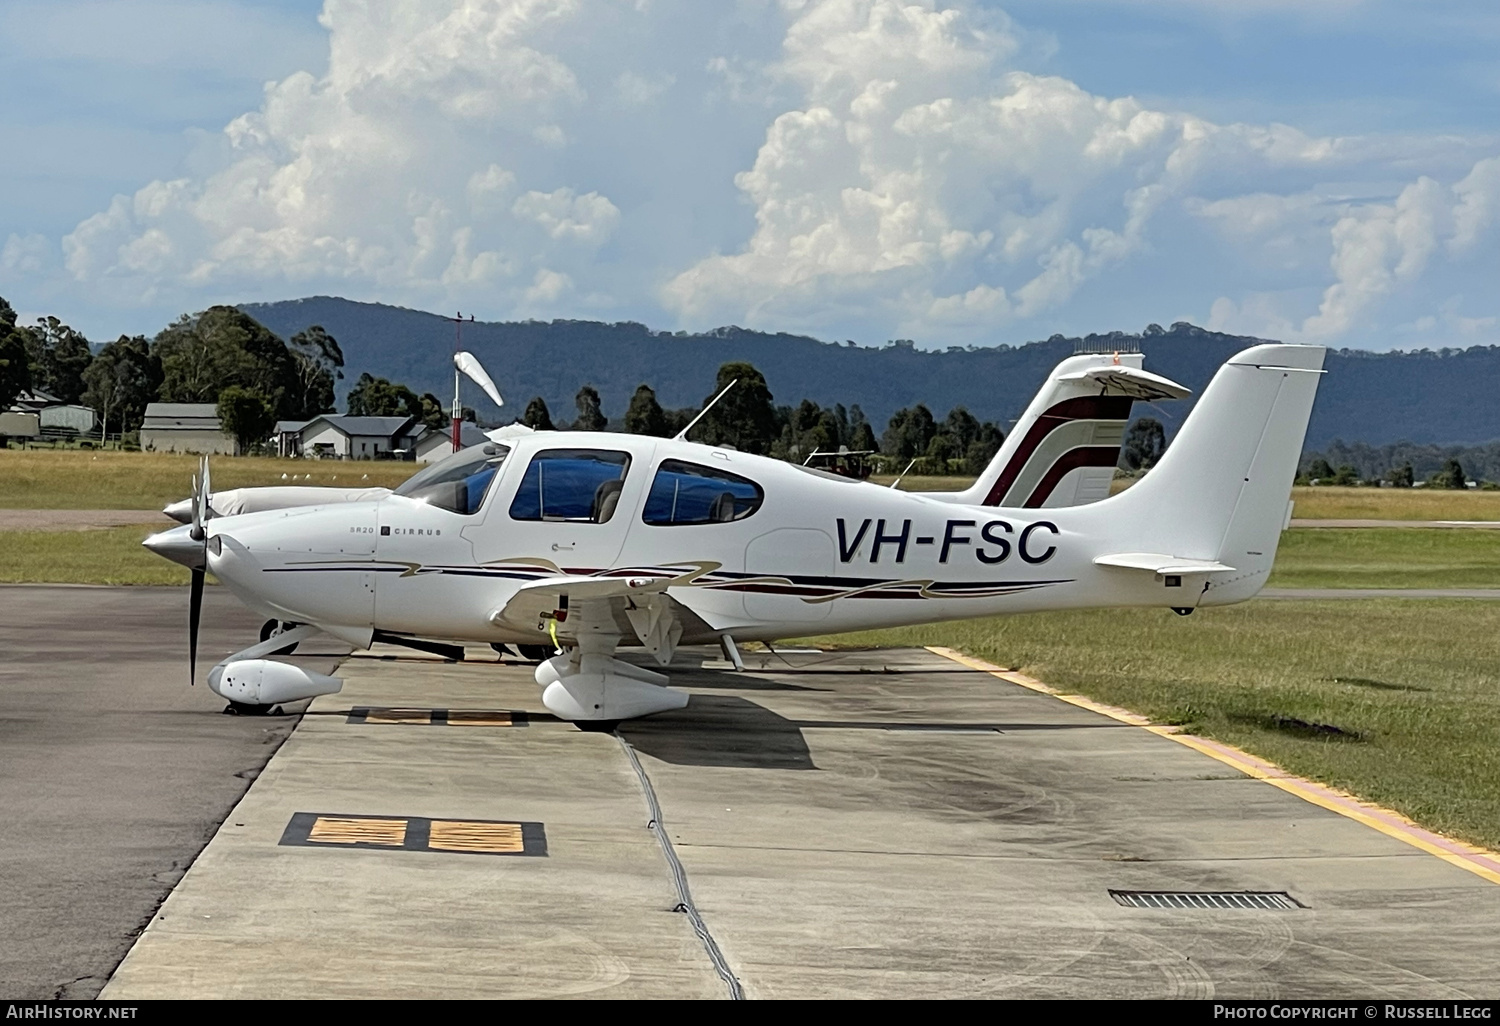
224	356
1361	461
748	419
220	355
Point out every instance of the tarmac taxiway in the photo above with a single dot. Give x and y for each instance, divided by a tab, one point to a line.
113	771
871	824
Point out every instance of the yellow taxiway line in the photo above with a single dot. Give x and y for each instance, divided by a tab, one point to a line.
1479	861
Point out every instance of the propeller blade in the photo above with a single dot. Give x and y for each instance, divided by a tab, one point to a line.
195	613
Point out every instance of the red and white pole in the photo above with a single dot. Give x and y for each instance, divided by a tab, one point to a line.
458	410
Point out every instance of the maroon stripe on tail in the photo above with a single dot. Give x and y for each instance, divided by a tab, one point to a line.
1083	456
1087	407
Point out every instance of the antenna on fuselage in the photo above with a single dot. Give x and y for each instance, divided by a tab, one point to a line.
903	473
681	436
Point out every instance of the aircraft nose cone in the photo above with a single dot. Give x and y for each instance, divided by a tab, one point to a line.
179	546
181	511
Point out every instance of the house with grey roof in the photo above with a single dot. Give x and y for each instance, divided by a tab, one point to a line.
433	445
339	436
288	437
52	416
185	427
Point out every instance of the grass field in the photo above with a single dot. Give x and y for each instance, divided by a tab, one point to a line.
1396	701
74	479
1387	558
109	556
1394	504
78	479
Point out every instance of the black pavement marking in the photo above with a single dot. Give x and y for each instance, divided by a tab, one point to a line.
439	717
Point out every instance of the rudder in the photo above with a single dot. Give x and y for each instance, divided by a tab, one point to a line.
1220	491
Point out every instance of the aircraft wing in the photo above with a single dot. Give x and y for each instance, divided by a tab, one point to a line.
545	594
1161	565
636	600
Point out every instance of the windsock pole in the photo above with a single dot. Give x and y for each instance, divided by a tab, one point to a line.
457	413
458	410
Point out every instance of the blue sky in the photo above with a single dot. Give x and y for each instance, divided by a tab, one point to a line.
1326	170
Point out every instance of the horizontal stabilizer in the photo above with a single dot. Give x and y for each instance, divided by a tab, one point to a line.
1129	381
1161	565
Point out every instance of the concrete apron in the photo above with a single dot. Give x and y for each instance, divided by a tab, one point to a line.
878	824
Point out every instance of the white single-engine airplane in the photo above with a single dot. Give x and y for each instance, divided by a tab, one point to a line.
1062	451
588	540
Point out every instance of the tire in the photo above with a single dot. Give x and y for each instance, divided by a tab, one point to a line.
246	709
273	627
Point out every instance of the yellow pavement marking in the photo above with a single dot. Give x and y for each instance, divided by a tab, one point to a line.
478	718
461	835
399	716
1479	861
341	830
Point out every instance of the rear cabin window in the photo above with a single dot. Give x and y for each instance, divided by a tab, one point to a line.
573	485
686	493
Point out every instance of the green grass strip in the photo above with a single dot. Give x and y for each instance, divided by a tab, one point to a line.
110	556
1388	558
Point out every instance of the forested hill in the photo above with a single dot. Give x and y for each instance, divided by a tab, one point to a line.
1447	397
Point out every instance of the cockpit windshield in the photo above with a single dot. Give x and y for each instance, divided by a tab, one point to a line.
460	482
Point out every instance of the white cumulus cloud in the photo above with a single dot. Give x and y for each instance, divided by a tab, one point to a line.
393	170
874	167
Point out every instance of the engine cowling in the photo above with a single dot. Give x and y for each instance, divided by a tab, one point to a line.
268	682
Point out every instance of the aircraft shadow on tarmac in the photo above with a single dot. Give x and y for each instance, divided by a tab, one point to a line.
734	731
721	730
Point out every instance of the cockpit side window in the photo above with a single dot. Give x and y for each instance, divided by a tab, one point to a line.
686	493
460	482
571	485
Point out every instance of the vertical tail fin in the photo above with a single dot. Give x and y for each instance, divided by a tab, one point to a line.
1064	448
1220	492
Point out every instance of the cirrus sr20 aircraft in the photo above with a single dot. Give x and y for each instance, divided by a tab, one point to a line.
584	541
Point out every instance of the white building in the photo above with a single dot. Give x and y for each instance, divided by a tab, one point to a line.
333	436
288	437
185	427
54	417
434	445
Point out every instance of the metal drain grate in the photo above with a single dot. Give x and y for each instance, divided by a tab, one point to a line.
1206	899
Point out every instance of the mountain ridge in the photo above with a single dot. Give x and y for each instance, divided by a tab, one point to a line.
1444	397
